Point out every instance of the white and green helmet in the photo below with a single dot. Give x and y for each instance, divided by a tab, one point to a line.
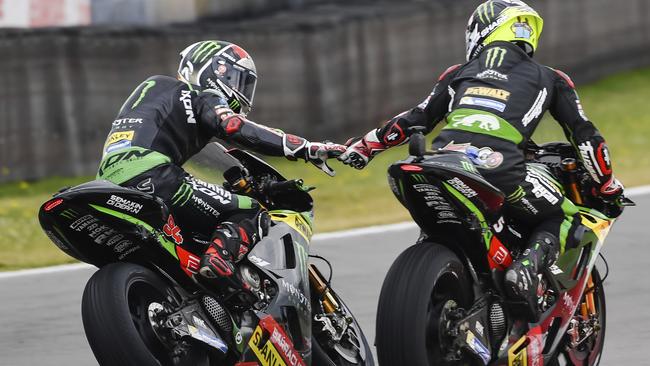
503	20
223	66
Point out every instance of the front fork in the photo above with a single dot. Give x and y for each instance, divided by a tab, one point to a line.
322	289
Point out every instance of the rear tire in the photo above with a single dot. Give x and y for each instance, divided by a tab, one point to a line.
420	281
114	312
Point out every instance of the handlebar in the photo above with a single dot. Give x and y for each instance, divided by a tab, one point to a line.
286	186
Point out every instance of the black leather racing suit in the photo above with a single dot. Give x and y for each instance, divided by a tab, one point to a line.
160	126
492	105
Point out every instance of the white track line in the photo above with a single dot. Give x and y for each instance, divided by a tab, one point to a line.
637	191
630	192
369	230
45	270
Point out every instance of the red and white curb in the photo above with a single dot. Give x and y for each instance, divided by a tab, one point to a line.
335	235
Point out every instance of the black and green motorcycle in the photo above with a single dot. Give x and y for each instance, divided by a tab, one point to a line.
143	306
442	302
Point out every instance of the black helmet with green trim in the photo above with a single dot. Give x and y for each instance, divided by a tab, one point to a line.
503	20
222	66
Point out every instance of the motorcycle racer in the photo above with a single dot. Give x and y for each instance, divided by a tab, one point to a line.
165	121
492	105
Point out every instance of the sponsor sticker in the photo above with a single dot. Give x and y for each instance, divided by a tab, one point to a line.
462	187
172	230
186	99
120	136
483	157
482	91
482	102
478	347
281	342
492	75
483	121
124	204
297	296
124	122
117	146
266	352
522	29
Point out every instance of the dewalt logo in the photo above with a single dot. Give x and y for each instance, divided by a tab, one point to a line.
495	57
488	92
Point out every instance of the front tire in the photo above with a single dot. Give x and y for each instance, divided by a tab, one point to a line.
324	350
114	310
589	353
417	286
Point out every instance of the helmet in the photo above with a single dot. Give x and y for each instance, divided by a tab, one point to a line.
223	66
503	20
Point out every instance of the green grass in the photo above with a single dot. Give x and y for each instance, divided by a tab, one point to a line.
357	198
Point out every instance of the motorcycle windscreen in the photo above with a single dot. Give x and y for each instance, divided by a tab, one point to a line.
210	163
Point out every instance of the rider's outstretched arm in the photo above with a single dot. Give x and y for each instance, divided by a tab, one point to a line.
396	130
223	123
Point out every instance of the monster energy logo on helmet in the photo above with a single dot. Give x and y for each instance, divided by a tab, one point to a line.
503	20
223	66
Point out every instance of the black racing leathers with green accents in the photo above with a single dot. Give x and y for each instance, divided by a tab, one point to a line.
506	93
177	120
492	105
161	125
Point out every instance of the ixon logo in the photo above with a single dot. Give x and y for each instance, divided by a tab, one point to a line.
186	98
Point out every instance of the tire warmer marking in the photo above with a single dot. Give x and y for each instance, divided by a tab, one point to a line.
169	246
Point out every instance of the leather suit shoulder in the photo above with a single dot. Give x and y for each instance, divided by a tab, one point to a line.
449	70
564	76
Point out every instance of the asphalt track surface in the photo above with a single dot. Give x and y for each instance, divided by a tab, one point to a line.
40	321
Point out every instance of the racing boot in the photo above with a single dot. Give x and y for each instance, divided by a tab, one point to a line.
522	278
230	243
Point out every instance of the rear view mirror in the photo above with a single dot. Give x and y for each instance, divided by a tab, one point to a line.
417	143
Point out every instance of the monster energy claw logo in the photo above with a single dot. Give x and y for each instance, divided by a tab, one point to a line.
205	50
303	257
486	12
495	57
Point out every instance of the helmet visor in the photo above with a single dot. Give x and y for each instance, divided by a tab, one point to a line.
239	79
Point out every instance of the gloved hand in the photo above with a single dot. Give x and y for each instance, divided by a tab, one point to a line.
357	154
317	153
611	193
611	190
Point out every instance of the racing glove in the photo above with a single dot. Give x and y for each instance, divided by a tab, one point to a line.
361	150
611	190
316	153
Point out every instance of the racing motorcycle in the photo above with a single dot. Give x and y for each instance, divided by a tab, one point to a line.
443	302
144	307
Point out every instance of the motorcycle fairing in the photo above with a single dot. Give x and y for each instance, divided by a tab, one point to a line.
282	256
555	321
85	206
272	346
99	223
299	222
445	194
542	339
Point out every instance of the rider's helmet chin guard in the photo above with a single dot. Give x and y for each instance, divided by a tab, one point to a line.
222	66
503	20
